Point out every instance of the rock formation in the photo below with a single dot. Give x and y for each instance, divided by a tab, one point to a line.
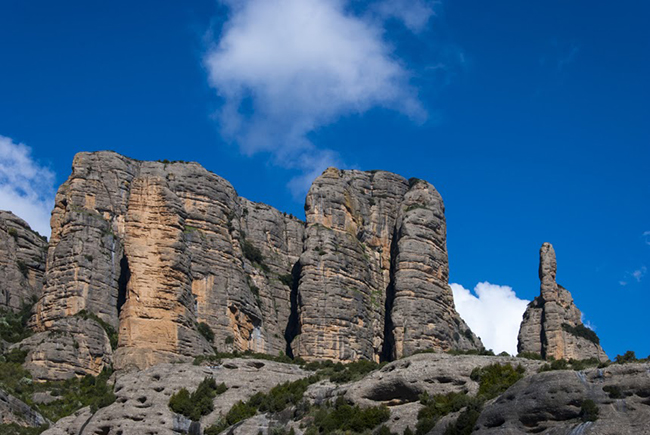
153	249
22	262
552	325
374	270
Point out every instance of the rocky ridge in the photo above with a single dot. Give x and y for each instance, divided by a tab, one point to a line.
153	249
552	325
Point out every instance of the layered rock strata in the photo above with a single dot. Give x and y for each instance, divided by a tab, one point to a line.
153	249
552	325
22	262
374	271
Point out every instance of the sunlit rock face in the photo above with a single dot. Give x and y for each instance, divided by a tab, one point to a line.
552	324
374	271
152	249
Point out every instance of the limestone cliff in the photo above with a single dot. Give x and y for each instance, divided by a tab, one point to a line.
22	262
152	249
552	325
374	271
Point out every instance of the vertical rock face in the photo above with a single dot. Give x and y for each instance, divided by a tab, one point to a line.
22	262
152	249
552	325
373	274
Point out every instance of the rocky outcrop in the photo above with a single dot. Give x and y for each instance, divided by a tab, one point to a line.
552	325
22	262
374	270
152	249
14	410
552	403
142	405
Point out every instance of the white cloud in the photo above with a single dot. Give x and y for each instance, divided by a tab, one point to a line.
26	187
415	14
493	312
639	273
646	237
285	68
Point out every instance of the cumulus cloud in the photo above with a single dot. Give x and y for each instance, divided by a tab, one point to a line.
646	237
493	312
26	187
285	68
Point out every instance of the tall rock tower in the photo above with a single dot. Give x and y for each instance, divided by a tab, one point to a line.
552	325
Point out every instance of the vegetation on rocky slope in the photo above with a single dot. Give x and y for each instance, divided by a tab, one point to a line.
198	403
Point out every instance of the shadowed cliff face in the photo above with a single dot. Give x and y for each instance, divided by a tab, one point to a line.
22	262
552	324
153	248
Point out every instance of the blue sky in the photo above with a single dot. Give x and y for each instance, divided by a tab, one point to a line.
531	119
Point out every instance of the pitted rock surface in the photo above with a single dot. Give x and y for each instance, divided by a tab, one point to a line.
142	405
544	326
550	403
22	262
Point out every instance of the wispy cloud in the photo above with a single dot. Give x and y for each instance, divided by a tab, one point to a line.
636	275
26	187
639	273
494	313
646	237
285	68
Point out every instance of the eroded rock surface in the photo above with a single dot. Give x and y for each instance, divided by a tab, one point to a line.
22	262
374	270
551	403
142	405
552	325
152	249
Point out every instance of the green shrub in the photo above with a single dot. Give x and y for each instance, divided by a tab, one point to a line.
589	410
466	421
277	399
205	330
251	252
530	355
581	330
200	402
287	280
436	407
16	355
627	357
229	339
613	391
13	325
572	364
76	393
347	418
14	429
13	233
22	266
496	378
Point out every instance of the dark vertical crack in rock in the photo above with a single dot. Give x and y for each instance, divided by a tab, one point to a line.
387	351
123	280
293	324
